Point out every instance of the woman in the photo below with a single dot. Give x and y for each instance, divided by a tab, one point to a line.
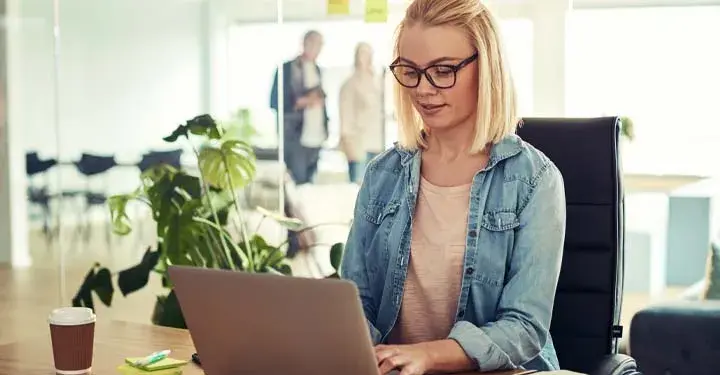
457	238
361	121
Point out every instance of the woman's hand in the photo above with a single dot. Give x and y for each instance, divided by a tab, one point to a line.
409	359
443	356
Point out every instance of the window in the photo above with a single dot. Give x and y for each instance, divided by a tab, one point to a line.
657	66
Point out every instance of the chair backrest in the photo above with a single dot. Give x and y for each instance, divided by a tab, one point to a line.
91	164
586	315
35	165
154	158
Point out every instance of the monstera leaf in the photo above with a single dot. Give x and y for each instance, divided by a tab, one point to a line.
203	125
227	165
119	219
169	194
262	257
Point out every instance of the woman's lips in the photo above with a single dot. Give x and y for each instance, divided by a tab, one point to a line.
431	109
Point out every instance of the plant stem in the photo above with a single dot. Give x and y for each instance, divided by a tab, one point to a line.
243	223
215	259
206	196
223	234
257	229
310	227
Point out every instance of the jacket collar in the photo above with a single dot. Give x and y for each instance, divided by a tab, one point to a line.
508	147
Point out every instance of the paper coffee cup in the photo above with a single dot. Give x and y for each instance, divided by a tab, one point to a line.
72	331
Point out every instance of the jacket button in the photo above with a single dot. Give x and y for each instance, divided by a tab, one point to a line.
472	233
469	270
461	314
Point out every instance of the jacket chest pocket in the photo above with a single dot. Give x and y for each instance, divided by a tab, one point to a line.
495	244
376	212
382	215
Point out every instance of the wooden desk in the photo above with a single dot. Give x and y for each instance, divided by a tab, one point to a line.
114	341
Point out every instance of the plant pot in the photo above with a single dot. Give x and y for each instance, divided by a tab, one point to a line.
167	312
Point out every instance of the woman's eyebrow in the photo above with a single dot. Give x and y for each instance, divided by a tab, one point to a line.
431	62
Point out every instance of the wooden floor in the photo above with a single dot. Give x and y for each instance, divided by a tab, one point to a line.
27	295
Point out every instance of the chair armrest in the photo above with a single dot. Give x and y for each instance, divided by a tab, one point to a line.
616	364
678	337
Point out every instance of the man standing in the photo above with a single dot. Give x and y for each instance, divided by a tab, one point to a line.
305	124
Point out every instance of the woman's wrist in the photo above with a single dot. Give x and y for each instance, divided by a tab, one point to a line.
447	356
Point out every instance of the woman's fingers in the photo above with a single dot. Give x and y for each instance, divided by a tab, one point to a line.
393	362
383	352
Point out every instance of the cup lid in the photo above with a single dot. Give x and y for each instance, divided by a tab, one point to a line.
71	316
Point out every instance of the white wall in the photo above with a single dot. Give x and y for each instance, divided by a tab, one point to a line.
128	71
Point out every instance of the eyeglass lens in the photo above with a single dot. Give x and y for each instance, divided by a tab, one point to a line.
439	76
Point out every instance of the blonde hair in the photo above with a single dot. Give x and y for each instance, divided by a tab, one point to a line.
496	107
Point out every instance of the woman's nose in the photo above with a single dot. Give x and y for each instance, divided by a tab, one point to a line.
425	87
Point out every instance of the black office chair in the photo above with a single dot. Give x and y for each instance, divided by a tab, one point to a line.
586	317
155	158
39	196
92	166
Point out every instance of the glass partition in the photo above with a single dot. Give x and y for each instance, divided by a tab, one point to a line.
28	162
101	93
138	84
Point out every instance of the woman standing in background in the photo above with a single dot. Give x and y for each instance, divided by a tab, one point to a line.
361	117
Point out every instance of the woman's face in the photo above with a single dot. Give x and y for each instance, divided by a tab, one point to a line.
435	49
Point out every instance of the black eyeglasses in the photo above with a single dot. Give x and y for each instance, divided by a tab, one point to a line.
442	76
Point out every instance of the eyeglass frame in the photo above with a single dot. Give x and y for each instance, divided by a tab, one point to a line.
423	71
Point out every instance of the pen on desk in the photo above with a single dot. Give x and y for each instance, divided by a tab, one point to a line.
152	358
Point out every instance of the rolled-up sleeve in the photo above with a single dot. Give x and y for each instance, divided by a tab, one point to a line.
524	312
354	266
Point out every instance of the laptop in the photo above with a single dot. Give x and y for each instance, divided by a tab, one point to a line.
243	323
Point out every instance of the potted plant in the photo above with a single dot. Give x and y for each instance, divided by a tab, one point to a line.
627	128
199	222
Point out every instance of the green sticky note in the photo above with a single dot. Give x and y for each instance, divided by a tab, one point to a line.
130	370
376	11
163	364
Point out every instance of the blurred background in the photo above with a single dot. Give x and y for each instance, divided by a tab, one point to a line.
91	87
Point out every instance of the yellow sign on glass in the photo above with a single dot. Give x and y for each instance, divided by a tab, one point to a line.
376	10
338	7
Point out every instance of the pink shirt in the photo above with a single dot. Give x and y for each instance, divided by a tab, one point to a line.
437	253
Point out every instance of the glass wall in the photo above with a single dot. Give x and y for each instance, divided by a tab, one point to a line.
28	104
96	87
130	72
94	90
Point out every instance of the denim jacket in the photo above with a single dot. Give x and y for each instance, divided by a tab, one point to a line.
514	244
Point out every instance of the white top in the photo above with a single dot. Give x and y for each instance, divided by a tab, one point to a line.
313	133
361	117
71	316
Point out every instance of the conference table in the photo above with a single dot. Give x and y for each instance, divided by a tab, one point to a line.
116	340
